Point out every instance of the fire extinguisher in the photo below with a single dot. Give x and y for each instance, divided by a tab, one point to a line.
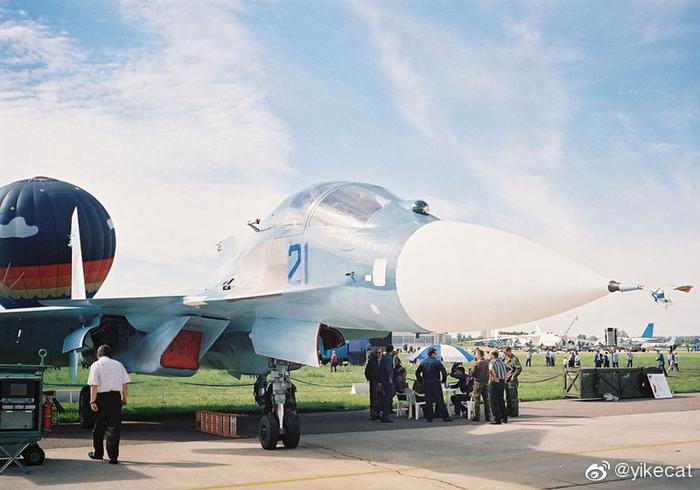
47	412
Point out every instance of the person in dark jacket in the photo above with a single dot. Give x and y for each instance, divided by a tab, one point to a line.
418	390
372	375
606	360
433	374
464	384
598	359
660	361
386	375
400	382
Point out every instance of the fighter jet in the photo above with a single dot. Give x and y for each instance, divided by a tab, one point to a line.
659	294
335	261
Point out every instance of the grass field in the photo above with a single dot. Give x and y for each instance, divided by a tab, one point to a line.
318	389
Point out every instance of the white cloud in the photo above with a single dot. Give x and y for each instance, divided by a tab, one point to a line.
26	44
174	130
518	163
503	110
17	228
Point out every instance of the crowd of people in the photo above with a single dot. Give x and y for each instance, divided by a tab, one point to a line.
605	359
493	382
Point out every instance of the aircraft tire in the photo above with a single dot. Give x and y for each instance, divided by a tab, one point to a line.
269	432
33	455
292	431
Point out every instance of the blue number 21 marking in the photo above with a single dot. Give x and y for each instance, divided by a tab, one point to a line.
295	249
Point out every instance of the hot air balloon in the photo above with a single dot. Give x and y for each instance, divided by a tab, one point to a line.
35	224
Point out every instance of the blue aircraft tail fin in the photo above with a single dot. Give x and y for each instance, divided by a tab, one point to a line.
649	331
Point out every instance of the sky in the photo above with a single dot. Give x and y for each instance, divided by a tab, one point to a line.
573	124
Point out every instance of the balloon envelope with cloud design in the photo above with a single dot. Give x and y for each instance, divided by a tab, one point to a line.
35	222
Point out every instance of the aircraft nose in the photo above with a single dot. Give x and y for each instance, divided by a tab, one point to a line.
453	277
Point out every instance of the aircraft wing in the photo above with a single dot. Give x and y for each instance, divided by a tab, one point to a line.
8	317
81	311
144	329
166	335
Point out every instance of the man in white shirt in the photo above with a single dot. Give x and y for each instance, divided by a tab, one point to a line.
107	380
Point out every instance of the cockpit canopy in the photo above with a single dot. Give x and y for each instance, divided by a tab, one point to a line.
339	204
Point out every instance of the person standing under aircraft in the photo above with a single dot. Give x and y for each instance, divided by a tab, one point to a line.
629	358
107	380
480	373
432	374
616	359
606	360
514	369
334	362
497	376
528	359
372	375
386	373
577	360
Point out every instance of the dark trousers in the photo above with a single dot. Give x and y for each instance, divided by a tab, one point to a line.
629	363
433	394
108	420
498	403
375	401
528	362
615	364
457	401
389	392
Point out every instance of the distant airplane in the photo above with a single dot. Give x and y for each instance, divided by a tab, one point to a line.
336	261
647	334
660	296
660	344
648	342
535	338
497	343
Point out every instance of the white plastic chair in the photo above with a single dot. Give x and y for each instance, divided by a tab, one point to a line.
414	405
470	408
403	405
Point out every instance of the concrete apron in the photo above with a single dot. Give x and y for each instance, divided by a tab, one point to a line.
551	445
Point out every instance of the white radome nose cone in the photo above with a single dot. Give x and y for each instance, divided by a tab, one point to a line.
454	277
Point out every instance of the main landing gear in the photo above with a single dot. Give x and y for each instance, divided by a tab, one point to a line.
278	400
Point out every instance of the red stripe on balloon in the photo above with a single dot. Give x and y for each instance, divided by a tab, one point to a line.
31	281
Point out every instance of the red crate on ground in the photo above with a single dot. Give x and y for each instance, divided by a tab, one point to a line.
218	423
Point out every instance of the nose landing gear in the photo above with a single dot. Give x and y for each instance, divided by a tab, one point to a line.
278	400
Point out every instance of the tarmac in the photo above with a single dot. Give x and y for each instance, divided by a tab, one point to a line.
551	445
